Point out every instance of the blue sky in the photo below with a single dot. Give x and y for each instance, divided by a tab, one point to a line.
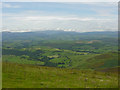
80	17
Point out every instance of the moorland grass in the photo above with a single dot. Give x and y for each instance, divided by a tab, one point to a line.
31	76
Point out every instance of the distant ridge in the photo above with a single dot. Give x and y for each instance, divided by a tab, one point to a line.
22	31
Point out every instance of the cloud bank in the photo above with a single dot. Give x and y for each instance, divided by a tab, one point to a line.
80	17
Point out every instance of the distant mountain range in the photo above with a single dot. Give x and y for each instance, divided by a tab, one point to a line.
58	35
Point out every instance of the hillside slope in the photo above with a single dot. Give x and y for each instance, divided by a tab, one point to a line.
105	60
28	76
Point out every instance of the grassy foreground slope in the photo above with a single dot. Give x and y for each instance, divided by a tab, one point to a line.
29	76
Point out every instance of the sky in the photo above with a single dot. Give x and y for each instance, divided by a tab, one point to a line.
60	0
67	16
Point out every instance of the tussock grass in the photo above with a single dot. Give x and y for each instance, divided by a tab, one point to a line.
29	76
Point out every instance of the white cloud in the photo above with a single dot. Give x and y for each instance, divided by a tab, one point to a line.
59	23
104	4
0	5
46	18
51	18
5	5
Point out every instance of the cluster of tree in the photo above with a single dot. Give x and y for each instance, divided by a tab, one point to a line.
36	55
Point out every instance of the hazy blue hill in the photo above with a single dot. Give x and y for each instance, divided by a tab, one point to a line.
57	35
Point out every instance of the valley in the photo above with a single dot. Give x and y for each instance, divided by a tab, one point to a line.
71	56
